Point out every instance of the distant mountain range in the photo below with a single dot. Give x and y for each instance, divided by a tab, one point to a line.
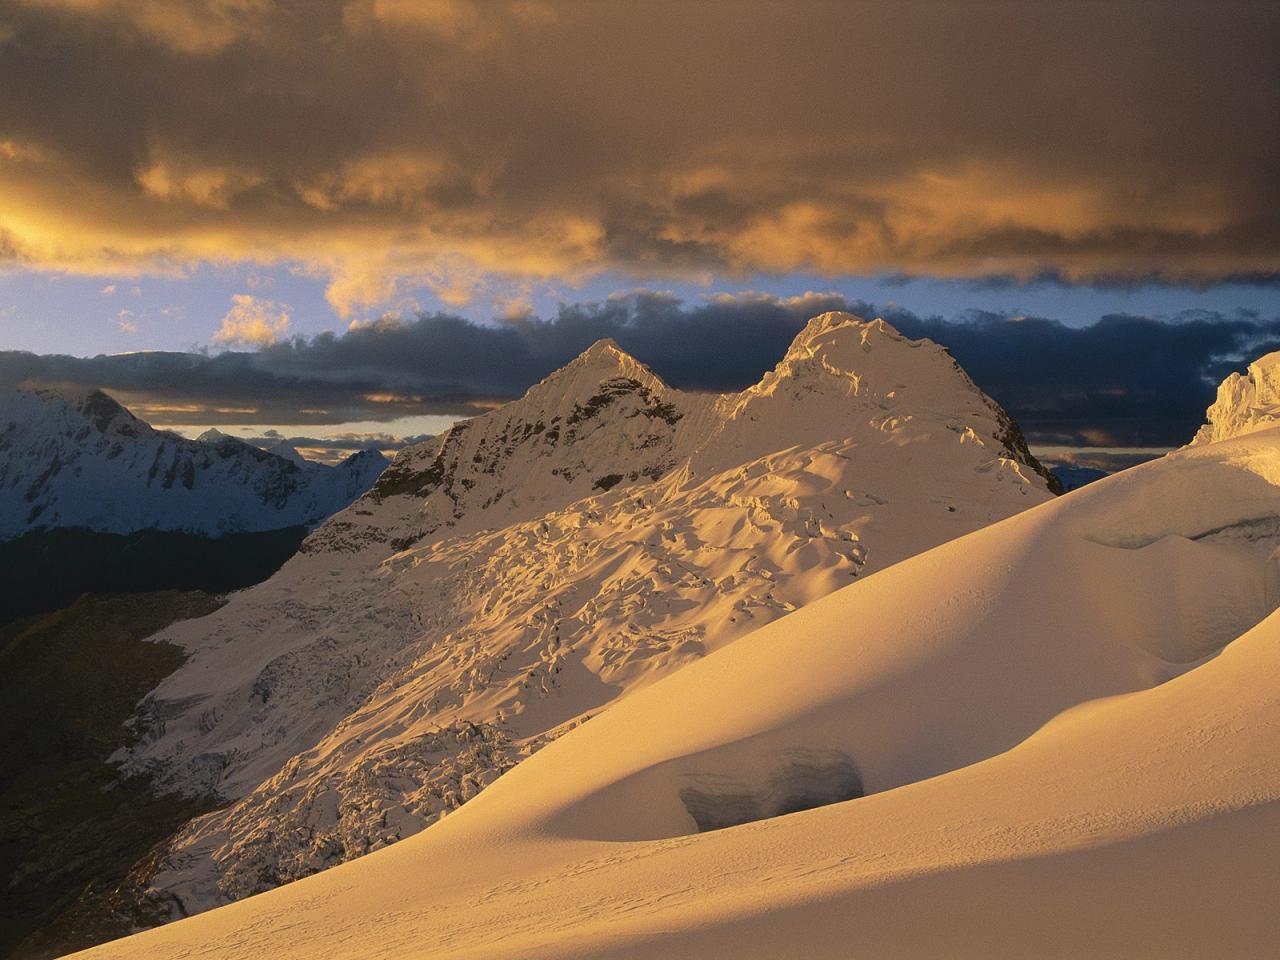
75	458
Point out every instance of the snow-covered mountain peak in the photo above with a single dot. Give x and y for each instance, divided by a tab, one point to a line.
602	420
839	323
846	374
872	360
1245	402
606	420
89	405
367	456
581	378
605	354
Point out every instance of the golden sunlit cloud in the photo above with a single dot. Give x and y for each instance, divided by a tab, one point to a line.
252	322
387	145
191	182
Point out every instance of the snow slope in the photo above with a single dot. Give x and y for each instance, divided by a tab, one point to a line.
1244	402
498	586
1054	737
76	458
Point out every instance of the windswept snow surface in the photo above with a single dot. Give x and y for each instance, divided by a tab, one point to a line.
71	457
515	577
1065	724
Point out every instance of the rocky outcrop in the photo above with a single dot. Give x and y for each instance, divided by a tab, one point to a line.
1245	402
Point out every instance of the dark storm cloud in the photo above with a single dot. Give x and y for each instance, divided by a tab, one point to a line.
388	142
1102	281
1122	381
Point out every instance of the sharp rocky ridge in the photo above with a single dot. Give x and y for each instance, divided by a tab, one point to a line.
71	457
509	580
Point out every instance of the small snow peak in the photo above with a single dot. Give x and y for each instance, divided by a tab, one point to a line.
73	395
605	345
604	354
604	360
1245	402
826	322
285	448
833	318
839	327
369	455
841	366
845	342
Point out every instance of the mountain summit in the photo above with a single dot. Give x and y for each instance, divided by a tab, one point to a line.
603	419
840	367
506	581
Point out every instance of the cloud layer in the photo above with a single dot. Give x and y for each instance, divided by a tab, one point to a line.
1122	381
385	143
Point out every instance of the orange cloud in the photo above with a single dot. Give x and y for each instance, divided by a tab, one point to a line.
193	182
252	322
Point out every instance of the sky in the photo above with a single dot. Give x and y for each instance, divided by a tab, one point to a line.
315	185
